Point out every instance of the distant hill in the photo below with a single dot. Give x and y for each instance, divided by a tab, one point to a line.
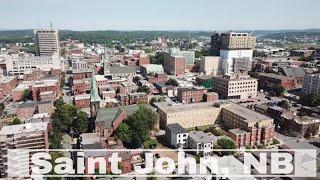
15	36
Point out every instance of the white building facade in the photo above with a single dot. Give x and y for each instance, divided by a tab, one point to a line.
228	56
23	62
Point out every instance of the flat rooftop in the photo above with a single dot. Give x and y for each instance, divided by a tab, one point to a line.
23	128
173	108
249	115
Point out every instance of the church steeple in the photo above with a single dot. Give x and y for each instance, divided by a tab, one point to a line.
106	60
94	97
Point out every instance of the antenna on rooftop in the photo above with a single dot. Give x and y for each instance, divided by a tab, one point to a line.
51	25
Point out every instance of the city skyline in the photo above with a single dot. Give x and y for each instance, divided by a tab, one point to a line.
203	15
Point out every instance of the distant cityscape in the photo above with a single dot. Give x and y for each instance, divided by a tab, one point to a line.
159	90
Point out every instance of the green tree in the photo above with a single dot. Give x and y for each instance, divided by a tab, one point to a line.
201	53
27	95
284	104
278	89
82	122
135	130
158	58
124	133
254	75
312	99
155	99
64	115
2	107
15	121
307	134
144	88
226	143
172	82
136	79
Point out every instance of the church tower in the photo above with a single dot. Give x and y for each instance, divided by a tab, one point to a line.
94	97
106	61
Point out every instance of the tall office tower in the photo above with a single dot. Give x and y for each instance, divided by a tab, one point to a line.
47	41
15	138
232	46
311	83
231	41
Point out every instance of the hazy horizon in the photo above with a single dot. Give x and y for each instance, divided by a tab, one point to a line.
164	15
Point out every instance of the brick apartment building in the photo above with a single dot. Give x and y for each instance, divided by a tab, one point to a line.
143	59
174	65
246	127
27	109
81	86
191	95
133	98
49	85
79	74
82	101
158	78
267	81
7	84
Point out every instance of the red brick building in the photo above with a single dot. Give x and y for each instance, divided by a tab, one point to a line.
82	101
267	81
190	95
130	62
81	74
45	107
7	84
174	65
211	97
45	86
143	59
81	86
26	110
158	78
17	93
247	127
133	98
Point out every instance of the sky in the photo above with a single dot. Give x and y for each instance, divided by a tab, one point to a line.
160	14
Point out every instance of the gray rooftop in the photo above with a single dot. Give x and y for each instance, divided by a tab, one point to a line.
122	69
247	114
202	137
108	115
176	128
293	71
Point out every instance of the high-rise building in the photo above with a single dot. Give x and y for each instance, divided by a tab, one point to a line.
231	40
21	136
235	86
311	83
232	46
47	42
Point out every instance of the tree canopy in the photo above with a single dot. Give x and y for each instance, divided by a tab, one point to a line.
312	99
172	82
64	115
278	89
144	88
15	121
158	58
27	95
226	143
135	129
284	104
